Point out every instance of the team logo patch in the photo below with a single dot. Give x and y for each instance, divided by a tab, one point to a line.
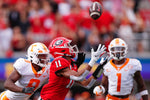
59	42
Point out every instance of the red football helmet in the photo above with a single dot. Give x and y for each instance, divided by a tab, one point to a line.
61	47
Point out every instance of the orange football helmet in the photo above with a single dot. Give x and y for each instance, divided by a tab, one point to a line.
117	48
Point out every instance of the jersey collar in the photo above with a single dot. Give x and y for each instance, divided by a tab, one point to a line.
119	68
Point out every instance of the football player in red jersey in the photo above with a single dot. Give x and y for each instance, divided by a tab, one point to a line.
64	70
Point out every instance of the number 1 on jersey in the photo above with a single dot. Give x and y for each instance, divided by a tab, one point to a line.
119	82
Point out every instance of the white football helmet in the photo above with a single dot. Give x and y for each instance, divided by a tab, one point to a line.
38	54
117	49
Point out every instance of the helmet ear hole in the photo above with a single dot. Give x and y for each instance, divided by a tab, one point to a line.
63	50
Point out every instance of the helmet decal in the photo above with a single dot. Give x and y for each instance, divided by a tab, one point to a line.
117	41
59	42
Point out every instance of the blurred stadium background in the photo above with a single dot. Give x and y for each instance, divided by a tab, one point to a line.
23	22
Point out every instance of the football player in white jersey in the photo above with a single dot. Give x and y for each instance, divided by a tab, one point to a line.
28	75
119	74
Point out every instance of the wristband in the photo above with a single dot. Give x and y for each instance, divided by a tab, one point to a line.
98	72
144	92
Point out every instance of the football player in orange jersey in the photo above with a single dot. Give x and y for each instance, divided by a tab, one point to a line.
64	70
119	74
28	75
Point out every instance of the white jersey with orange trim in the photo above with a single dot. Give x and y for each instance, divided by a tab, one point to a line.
120	79
30	78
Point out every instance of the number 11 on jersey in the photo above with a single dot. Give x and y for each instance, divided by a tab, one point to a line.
58	64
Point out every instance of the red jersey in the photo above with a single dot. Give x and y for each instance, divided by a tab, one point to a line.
58	86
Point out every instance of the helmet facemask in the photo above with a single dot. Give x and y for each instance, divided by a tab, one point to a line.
40	59
118	53
43	59
73	50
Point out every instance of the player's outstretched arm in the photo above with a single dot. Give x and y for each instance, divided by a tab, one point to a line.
142	91
88	83
80	75
10	82
95	55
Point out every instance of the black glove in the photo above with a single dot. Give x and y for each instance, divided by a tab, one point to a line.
80	59
28	90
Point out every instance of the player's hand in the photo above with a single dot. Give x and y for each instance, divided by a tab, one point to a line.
105	59
98	90
80	59
95	55
28	90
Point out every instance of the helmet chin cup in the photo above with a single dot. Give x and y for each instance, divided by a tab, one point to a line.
118	55
118	59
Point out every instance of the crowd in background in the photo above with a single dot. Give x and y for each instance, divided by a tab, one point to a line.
23	22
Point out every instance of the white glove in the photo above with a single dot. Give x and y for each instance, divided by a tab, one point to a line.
104	59
96	55
99	90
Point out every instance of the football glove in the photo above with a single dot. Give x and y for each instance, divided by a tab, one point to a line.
28	90
97	54
80	59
